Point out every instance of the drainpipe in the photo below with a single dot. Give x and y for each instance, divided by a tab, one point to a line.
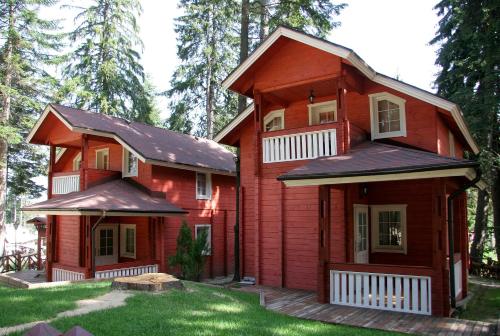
451	243
93	240
237	221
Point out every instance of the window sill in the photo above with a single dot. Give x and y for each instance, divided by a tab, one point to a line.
387	250
388	135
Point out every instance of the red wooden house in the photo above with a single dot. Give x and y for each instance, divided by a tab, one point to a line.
118	192
348	178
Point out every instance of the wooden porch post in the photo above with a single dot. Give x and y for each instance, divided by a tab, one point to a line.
85	162
258	162
52	159
323	243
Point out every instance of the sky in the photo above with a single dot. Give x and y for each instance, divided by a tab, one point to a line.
392	36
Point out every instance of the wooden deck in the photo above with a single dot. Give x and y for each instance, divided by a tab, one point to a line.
303	304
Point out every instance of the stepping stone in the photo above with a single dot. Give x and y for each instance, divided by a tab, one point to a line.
151	282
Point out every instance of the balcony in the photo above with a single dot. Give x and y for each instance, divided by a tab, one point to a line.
299	146
63	183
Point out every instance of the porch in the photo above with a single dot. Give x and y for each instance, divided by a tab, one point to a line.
304	304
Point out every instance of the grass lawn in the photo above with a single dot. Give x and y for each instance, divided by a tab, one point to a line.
484	305
200	310
27	305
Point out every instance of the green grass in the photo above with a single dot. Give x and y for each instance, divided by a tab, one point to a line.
200	310
27	305
484	305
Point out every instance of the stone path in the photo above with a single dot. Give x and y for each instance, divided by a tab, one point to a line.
109	300
303	304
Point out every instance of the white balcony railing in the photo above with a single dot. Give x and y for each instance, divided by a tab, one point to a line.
403	293
299	146
128	271
65	184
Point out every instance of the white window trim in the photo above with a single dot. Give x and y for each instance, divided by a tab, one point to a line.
75	159
273	114
375	246
374	98
208	196
208	251
125	172
104	150
123	228
330	102
451	144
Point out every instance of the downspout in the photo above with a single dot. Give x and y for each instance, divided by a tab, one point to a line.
92	232
451	243
237	276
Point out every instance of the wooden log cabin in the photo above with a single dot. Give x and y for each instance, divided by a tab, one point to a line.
118	192
349	179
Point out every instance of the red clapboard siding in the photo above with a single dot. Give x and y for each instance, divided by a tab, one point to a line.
68	233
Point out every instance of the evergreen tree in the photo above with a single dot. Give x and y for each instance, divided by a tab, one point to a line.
207	48
469	40
103	71
27	42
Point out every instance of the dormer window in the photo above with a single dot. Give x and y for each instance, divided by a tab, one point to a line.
388	115
130	163
274	121
322	113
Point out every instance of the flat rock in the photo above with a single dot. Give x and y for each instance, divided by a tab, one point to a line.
151	282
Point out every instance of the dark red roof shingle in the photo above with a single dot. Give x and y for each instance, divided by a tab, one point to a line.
154	143
373	158
114	196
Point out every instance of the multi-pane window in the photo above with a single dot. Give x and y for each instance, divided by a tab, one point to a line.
362	240
389	228
102	158
106	242
130	163
274	121
203	186
207	229
322	113
388	116
77	161
128	240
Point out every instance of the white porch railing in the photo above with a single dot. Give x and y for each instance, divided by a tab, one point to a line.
403	293
300	146
65	184
458	277
59	274
124	272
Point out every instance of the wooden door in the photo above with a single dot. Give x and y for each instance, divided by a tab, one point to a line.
361	240
106	244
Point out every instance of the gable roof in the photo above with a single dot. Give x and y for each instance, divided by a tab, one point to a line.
150	144
117	197
358	63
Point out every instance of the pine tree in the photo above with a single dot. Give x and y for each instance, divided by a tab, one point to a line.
27	44
469	40
207	48
103	71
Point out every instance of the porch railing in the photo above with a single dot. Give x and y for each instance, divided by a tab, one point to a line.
386	291
59	274
123	272
64	184
18	262
300	146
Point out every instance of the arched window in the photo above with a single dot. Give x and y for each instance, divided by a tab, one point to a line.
388	116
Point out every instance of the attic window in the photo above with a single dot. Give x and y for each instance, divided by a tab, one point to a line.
274	121
388	115
130	163
322	113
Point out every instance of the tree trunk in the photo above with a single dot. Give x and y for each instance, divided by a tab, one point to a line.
4	119
242	100
264	24
209	80
481	220
495	197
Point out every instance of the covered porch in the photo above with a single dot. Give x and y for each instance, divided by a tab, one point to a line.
109	230
384	238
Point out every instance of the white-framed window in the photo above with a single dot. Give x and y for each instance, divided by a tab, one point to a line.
128	240
322	113
130	164
198	229
102	158
203	186
451	142
77	161
389	228
274	120
388	115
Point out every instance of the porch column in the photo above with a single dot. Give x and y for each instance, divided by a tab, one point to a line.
323	243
